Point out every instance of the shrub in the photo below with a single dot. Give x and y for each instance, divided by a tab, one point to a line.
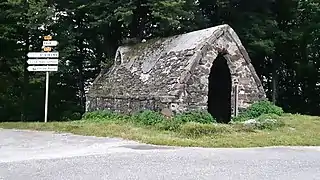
194	129
195	116
257	109
265	121
169	125
269	121
148	117
105	115
239	118
69	115
263	107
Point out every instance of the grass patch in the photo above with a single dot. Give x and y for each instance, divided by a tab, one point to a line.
262	124
297	130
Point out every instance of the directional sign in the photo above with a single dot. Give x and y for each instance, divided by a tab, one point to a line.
47	37
43	61
50	43
43	68
47	49
43	54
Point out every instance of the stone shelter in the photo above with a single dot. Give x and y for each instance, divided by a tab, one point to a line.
207	69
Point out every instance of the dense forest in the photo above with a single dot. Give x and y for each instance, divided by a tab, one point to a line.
281	36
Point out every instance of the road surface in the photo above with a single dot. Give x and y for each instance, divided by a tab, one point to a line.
30	155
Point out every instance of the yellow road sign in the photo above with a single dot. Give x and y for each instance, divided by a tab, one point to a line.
48	38
47	49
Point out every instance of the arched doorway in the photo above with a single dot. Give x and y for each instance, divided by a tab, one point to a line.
219	93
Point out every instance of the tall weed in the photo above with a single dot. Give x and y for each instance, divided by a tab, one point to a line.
195	116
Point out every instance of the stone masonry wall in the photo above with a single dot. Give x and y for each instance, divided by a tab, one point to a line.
195	95
129	104
126	88
173	73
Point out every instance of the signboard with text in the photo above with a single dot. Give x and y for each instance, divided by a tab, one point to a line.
43	54
44	62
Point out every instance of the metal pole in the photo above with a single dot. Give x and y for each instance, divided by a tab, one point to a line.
46	98
236	98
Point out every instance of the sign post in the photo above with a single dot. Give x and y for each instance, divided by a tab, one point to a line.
236	100
46	99
44	62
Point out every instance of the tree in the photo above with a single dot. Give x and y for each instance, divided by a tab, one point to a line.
282	38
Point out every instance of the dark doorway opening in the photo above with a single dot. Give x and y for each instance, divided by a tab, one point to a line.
219	95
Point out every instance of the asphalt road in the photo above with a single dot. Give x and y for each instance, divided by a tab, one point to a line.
29	155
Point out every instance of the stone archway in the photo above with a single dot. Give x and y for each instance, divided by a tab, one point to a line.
219	90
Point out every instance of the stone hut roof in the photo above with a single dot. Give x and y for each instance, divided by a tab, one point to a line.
161	67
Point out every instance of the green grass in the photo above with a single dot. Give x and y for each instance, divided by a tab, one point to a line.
298	130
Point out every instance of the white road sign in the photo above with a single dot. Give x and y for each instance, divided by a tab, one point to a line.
43	61
43	68
50	43
43	54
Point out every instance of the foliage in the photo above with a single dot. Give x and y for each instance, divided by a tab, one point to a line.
70	116
263	122
194	129
259	108
282	38
148	117
194	123
269	123
103	116
195	116
269	116
299	131
169	125
173	124
151	118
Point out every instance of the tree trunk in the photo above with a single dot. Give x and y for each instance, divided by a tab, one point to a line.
25	70
81	88
81	59
275	65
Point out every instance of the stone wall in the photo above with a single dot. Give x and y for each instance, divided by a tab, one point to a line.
129	105
173	73
242	73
